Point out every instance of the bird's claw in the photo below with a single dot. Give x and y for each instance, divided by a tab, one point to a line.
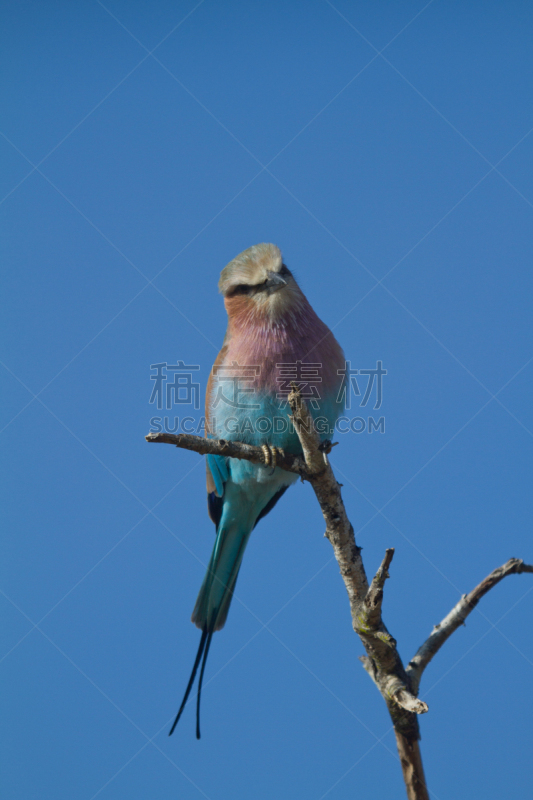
270	453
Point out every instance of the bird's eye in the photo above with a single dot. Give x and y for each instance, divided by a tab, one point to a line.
242	288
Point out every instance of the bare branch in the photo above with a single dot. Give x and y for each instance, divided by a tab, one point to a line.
383	662
457	616
338	527
412	768
374	597
410	702
223	447
315	457
394	689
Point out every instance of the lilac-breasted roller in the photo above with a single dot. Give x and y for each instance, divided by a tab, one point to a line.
273	333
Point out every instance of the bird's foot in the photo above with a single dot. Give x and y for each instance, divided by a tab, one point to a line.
270	453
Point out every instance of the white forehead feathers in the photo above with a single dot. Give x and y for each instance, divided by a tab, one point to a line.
251	266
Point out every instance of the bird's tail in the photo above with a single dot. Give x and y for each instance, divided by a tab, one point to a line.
214	599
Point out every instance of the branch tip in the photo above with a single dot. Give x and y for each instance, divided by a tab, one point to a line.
457	616
411	703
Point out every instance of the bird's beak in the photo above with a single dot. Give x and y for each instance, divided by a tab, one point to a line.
275	282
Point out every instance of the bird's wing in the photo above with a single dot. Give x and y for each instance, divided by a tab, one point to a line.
217	475
216	466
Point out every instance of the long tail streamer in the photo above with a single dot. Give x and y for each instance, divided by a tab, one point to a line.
200	681
199	654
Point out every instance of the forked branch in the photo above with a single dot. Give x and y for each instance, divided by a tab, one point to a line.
398	685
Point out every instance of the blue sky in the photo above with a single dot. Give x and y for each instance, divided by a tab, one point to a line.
387	149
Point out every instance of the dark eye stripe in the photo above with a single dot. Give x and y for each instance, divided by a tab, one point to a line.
246	288
242	288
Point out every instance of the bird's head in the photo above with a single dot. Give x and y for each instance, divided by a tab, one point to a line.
258	282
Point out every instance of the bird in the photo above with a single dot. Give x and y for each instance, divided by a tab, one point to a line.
273	335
